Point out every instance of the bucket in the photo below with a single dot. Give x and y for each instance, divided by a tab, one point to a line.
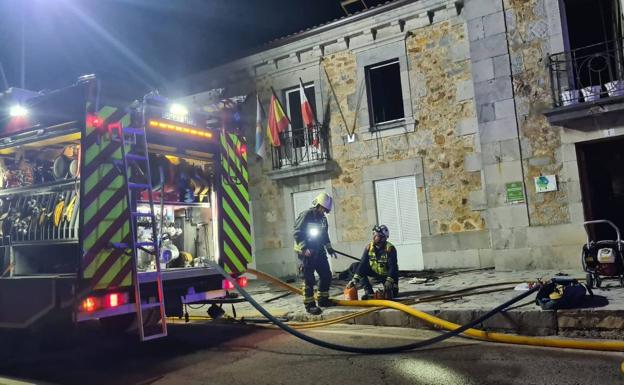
570	97
615	88
351	293
591	93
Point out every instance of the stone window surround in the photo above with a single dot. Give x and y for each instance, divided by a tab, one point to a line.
287	80
390	170
370	55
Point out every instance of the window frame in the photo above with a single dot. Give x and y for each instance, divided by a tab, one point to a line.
388	124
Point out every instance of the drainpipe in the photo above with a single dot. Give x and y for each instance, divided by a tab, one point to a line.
513	96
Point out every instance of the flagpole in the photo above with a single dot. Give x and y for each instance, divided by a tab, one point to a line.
262	147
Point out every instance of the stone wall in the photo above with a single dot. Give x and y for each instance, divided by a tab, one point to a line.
529	43
475	88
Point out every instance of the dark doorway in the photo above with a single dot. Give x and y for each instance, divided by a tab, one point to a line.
601	168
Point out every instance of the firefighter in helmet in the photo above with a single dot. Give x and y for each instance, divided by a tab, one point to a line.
312	246
379	261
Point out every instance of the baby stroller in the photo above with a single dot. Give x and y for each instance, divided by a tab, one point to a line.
603	259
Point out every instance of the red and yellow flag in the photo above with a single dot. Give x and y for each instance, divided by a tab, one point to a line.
277	121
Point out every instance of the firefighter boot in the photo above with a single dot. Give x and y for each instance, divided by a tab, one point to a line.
368	294
325	302
312	308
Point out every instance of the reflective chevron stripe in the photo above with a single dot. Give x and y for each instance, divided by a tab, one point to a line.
105	215
235	220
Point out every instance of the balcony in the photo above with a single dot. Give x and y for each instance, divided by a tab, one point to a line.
303	151
588	87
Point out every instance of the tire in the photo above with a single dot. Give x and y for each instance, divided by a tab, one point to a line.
598	282
589	280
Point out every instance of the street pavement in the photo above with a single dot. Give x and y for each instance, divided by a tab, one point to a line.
213	353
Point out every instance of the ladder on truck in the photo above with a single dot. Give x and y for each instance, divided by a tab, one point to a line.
136	157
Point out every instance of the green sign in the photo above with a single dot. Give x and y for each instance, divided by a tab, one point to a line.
515	192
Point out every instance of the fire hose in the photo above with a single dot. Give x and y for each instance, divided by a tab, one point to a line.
454	329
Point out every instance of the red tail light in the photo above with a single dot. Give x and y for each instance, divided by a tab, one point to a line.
242	281
113	300
227	285
89	304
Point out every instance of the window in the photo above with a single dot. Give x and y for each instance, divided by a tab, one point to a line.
397	208
293	109
385	97
303	200
596	52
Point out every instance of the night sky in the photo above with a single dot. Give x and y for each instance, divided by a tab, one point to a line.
138	45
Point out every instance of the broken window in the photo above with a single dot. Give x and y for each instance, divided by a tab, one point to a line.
385	97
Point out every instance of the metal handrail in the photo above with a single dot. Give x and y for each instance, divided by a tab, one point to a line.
300	146
595	65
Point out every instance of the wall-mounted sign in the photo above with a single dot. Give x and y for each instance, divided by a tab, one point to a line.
515	192
545	183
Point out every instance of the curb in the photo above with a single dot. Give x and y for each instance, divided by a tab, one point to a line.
601	324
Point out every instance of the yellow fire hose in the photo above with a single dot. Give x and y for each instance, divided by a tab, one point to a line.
604	345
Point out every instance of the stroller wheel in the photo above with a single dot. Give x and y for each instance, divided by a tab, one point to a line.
589	280
598	281
622	280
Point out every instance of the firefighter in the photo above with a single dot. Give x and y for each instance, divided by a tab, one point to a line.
312	246
379	261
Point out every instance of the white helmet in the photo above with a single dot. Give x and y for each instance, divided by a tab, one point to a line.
382	230
324	200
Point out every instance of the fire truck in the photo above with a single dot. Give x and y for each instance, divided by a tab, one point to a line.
117	214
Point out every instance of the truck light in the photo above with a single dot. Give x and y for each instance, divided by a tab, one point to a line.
178	109
113	300
242	281
89	304
94	121
241	150
18	111
179	129
227	285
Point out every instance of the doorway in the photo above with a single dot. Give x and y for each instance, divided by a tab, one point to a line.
602	183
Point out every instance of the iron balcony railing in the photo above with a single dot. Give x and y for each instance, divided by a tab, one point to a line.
587	74
300	146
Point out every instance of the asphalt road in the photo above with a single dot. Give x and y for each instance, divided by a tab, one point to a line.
196	354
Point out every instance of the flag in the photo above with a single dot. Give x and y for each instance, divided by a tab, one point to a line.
306	108
260	146
307	114
277	121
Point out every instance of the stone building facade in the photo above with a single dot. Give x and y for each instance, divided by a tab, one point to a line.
481	120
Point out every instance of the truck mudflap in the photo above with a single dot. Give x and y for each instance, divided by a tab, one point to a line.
26	300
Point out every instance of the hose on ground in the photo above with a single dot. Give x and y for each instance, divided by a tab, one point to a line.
385	350
605	345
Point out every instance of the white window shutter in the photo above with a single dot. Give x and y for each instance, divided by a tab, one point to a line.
387	208
408	209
